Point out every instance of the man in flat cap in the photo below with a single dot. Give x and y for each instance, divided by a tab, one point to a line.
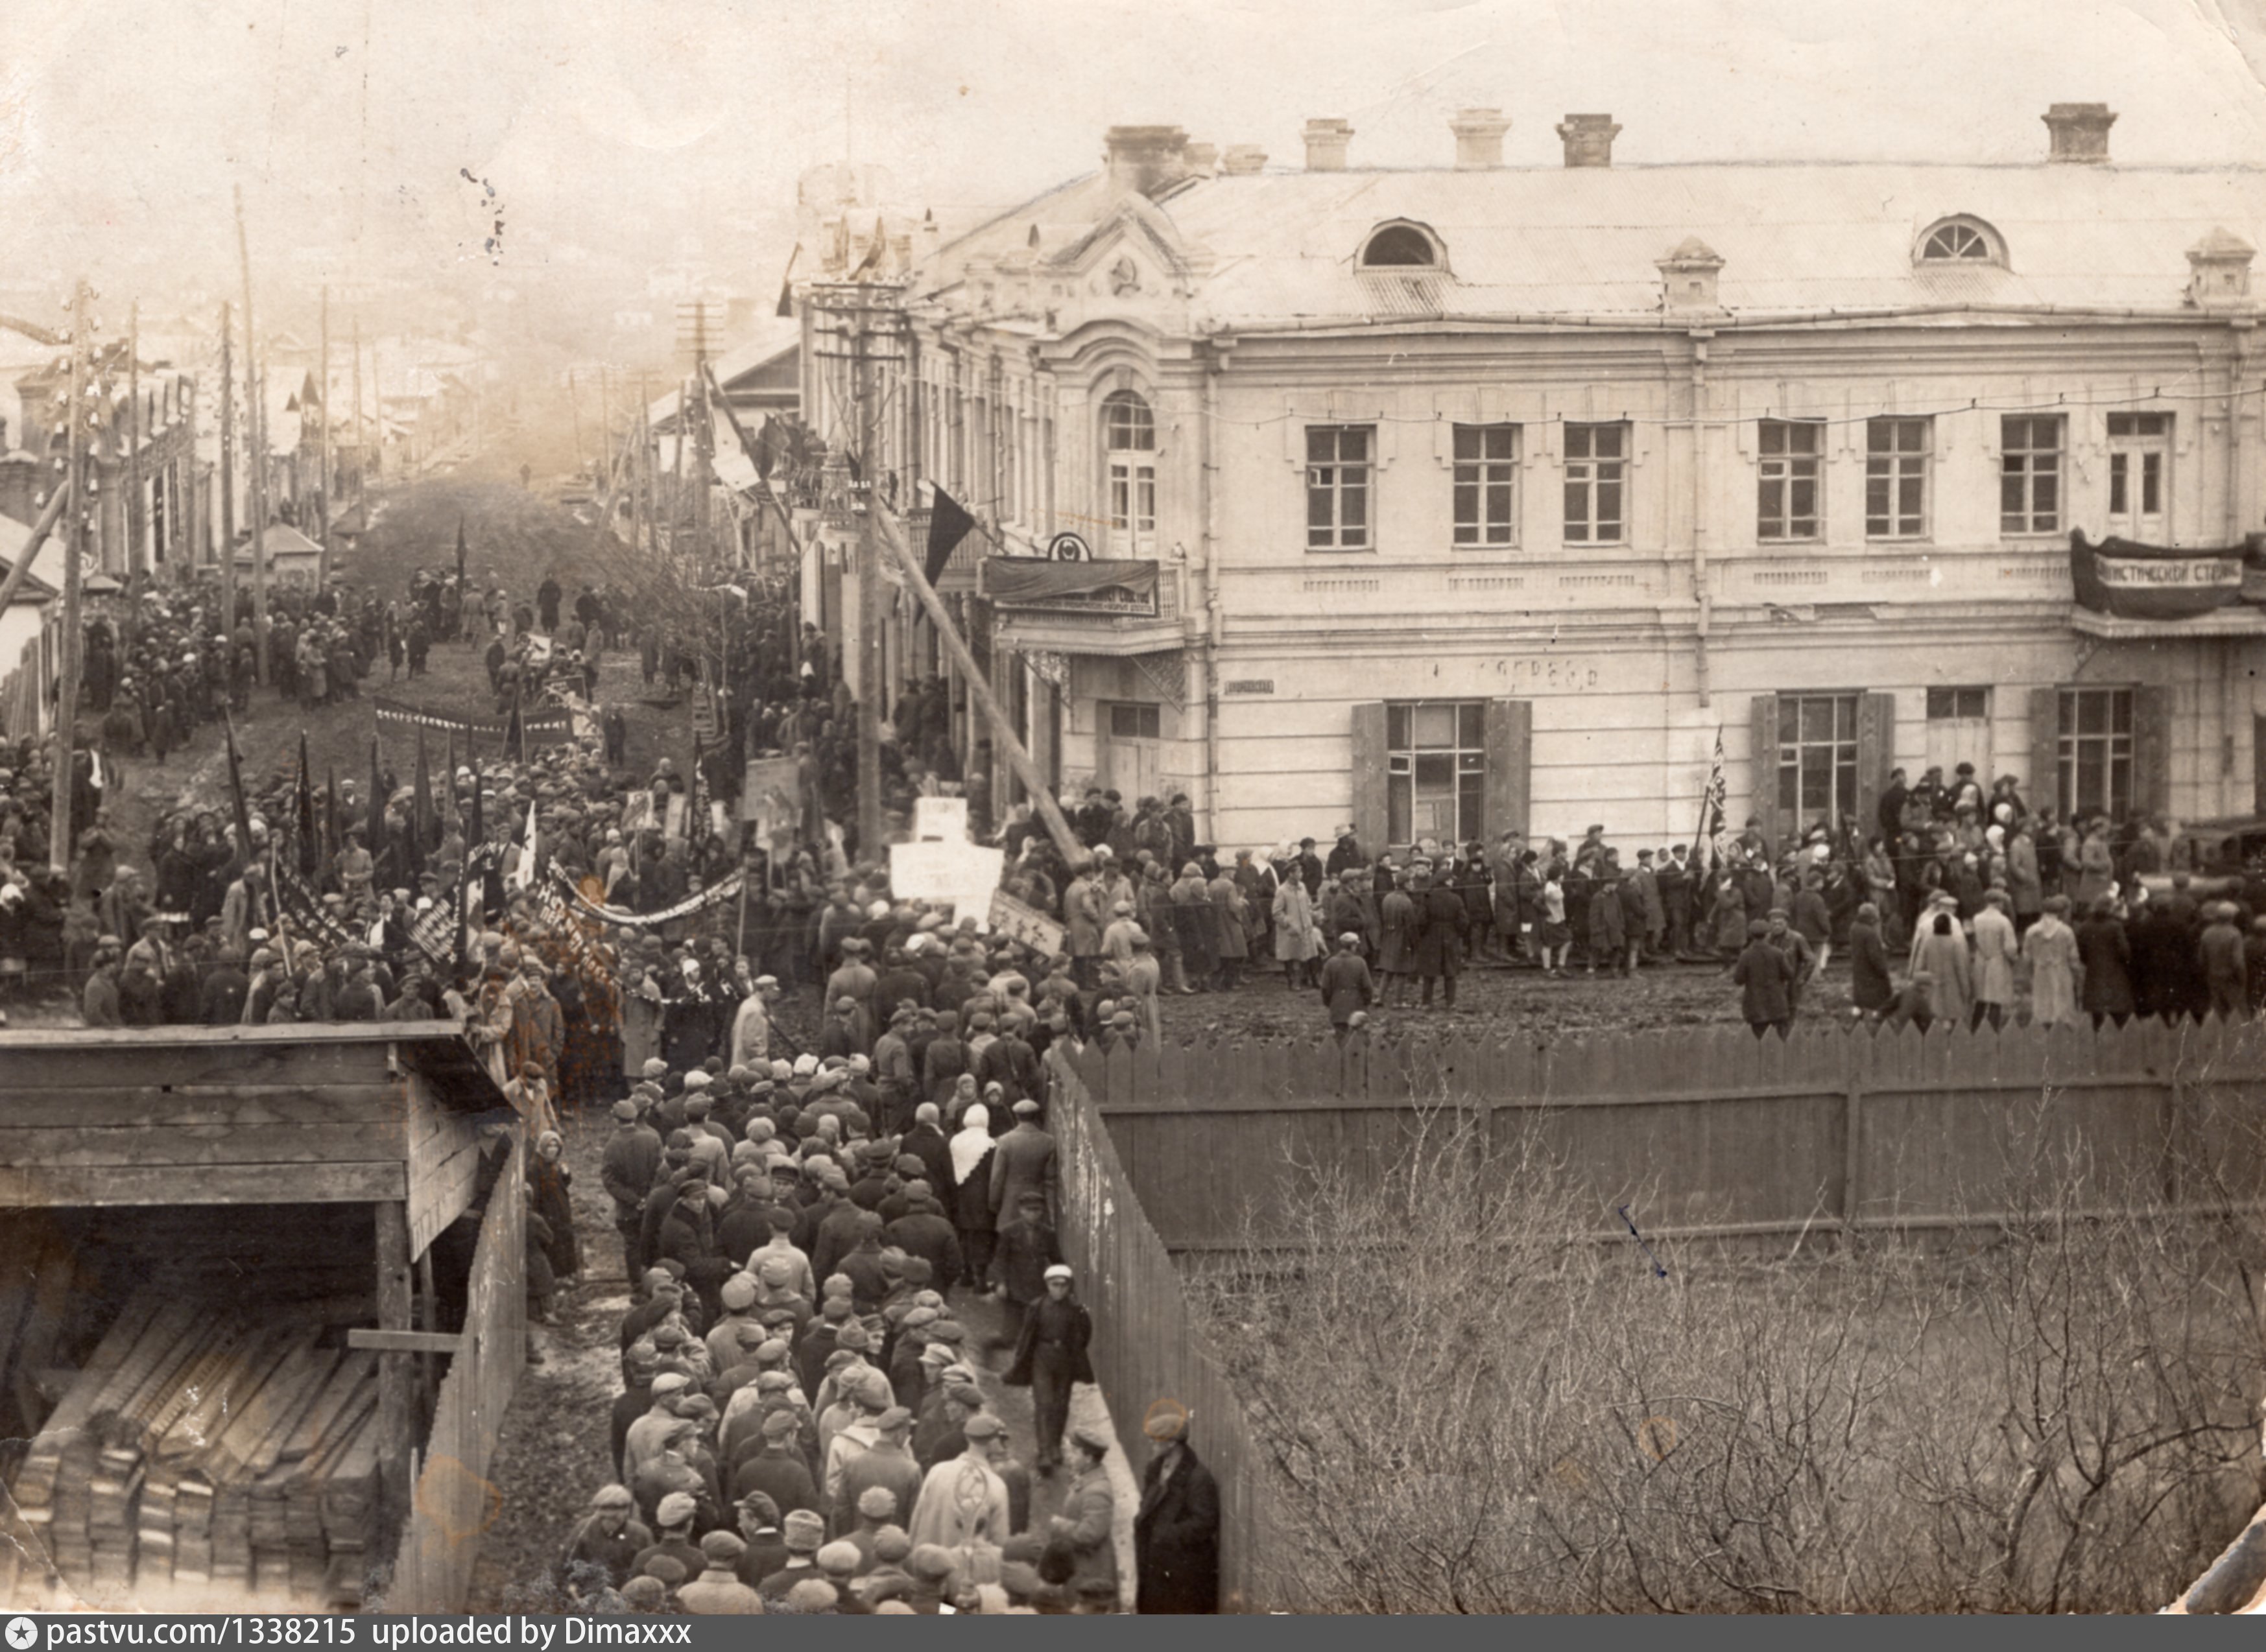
963	1502
718	1592
1023	1161
1089	1509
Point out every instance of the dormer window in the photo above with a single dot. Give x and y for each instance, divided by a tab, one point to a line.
1962	241
1402	246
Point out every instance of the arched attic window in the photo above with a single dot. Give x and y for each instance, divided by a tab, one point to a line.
1402	246
1963	240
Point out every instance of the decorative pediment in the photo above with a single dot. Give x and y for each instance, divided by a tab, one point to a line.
1133	249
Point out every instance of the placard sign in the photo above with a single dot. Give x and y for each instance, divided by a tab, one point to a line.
1019	921
940	819
965	874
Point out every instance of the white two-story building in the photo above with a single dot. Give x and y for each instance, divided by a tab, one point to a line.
1451	500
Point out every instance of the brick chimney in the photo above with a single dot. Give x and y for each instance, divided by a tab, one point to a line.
1589	138
1479	138
1242	160
1143	160
1325	144
2081	132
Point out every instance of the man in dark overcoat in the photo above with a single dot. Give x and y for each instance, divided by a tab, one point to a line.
1176	1532
1442	922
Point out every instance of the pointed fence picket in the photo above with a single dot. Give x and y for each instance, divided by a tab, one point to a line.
1723	1132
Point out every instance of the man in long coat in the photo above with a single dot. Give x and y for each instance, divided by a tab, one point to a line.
1176	1532
1440	924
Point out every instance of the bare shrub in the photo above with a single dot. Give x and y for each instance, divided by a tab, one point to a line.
1474	1405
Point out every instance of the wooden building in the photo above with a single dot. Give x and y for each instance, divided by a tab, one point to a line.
261	1283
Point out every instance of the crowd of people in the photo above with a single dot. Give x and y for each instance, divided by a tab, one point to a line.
830	1099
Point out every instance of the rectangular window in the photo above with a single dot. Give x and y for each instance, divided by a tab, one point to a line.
1787	491
1946	704
2030	474
1597	475
1131	720
1435	770
1338	467
1896	452
2139	467
1816	757
1487	481
2096	753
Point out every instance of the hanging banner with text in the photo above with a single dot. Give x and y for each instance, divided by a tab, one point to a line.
728	889
1022	922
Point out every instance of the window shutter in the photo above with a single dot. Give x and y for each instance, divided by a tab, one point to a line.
1876	755
1510	766
2152	750
2044	790
1761	771
1368	816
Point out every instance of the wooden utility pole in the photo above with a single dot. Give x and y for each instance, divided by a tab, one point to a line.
574	412
227	488
361	441
869	593
1074	853
137	520
323	463
255	414
59	828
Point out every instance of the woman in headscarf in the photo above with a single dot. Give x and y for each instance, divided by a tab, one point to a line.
971	1191
547	1179
964	1096
1943	954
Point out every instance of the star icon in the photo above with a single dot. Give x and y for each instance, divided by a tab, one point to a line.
23	1634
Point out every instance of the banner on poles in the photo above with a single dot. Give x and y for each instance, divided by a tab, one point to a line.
1021	921
543	722
727	890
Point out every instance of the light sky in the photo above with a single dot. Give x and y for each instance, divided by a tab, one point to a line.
621	128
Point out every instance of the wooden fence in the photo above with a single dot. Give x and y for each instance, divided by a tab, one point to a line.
1149	1355
1708	1131
453	1501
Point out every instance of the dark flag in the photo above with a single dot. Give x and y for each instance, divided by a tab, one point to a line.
332	825
460	560
947	525
449	810
304	828
236	795
786	283
376	832
515	734
420	828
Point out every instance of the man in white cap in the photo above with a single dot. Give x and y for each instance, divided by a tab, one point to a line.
752	1023
1050	1356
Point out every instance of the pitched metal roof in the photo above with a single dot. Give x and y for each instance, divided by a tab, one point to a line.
1281	247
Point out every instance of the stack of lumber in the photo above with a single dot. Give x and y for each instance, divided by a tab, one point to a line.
205	1446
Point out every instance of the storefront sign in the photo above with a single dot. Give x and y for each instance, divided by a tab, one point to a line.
1126	587
1250	685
